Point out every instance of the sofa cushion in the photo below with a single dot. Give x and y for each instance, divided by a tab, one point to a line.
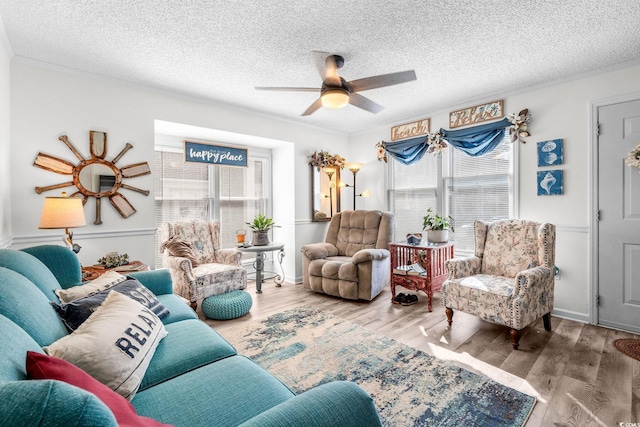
188	345
25	305
115	344
33	269
178	308
74	313
43	367
51	403
226	385
107	280
14	345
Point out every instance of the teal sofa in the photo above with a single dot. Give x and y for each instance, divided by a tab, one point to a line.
195	378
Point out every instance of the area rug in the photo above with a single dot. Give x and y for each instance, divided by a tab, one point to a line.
305	347
628	346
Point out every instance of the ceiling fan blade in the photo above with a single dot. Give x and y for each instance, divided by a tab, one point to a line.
365	103
327	67
313	107
289	89
382	80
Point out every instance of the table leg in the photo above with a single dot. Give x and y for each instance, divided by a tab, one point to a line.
259	266
429	296
279	279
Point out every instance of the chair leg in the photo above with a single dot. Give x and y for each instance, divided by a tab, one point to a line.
449	312
547	321
515	338
194	305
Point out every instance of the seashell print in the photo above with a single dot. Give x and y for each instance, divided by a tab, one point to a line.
547	182
550	158
549	146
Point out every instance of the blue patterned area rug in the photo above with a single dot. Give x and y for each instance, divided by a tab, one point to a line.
305	347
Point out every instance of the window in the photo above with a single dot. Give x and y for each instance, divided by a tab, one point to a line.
456	184
414	189
194	190
479	188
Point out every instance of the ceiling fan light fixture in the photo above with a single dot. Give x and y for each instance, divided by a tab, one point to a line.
335	98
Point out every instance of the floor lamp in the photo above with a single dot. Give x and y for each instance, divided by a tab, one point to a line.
355	168
63	212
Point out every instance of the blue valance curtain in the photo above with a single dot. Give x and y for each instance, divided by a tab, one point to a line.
475	141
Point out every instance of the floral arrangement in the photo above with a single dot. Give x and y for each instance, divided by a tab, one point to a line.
518	128
436	143
633	158
321	159
114	259
382	151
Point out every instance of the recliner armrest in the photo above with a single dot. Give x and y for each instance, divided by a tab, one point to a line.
229	256
337	403
463	267
365	255
319	250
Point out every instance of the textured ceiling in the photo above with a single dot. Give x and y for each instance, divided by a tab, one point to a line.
461	50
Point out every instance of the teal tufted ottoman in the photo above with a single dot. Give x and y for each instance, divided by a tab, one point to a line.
227	306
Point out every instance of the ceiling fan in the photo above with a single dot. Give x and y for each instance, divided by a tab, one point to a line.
336	92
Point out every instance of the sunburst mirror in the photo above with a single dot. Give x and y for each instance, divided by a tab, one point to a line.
95	177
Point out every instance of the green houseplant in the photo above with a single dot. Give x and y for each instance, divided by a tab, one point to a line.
437	226
261	226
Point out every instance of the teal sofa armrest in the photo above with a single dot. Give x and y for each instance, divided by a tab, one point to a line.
63	263
337	403
157	281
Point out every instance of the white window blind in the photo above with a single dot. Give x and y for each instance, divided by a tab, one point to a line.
479	188
234	195
413	191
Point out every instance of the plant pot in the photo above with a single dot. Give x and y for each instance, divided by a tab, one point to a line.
437	236
260	237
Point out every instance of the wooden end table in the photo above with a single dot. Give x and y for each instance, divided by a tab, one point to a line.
92	272
435	275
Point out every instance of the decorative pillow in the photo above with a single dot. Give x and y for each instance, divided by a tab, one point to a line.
43	367
103	282
115	344
176	246
77	311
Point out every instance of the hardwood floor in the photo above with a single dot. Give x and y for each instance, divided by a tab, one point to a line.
574	370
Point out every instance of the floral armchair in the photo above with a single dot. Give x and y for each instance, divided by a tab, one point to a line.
354	261
199	268
510	279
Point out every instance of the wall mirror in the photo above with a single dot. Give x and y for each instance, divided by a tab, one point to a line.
95	177
325	192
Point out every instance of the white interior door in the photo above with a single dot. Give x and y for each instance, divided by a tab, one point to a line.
619	226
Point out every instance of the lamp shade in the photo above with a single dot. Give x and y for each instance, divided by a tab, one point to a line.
335	98
62	212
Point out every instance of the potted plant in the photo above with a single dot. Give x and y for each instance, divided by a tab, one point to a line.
261	226
437	226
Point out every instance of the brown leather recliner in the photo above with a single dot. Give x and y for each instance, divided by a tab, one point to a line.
353	262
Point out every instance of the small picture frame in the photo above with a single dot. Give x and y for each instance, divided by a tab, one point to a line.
550	183
550	153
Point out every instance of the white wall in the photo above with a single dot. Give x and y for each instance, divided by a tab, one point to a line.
46	103
5	145
558	111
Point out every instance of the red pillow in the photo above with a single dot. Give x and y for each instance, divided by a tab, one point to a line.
43	367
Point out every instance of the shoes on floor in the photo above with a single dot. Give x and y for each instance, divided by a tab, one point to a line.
405	299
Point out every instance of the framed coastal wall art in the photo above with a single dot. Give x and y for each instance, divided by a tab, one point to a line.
550	182
550	153
410	130
476	114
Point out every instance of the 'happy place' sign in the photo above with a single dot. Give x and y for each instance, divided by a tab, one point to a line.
198	152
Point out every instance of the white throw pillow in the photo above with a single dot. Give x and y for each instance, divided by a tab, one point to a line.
115	344
103	282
